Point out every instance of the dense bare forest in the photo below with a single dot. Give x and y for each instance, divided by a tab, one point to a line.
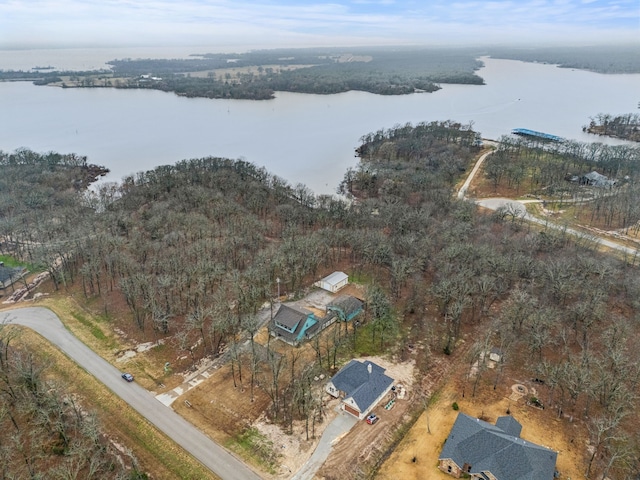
195	248
48	431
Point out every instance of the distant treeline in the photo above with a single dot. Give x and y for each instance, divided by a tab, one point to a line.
257	75
602	59
383	71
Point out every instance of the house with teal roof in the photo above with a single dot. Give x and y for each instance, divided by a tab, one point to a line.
293	324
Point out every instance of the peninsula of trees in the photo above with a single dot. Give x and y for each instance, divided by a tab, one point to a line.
257	75
625	126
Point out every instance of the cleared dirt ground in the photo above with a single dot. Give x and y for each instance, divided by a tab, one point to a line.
365	442
416	457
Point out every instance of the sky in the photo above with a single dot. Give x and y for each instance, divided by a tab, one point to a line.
291	23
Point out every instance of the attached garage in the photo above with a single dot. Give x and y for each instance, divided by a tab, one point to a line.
351	410
360	385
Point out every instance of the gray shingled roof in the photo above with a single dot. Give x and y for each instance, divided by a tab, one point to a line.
290	316
509	425
370	391
356	382
346	304
597	179
353	375
489	448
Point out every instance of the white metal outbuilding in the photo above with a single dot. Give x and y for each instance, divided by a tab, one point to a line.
334	282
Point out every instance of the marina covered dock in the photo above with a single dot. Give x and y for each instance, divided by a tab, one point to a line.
525	132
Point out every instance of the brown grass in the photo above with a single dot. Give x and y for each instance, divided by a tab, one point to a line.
157	454
425	440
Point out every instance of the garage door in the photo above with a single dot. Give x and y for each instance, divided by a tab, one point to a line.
351	410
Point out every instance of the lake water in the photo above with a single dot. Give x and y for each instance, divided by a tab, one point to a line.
303	138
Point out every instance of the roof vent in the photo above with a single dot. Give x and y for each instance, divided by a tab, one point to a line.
369	368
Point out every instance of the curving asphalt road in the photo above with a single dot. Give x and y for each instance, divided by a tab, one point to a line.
205	450
518	206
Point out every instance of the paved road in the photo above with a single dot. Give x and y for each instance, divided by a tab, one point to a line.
519	208
209	453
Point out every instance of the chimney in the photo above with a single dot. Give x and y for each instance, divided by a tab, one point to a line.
369	368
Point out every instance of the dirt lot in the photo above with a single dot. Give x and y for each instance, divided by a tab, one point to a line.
295	450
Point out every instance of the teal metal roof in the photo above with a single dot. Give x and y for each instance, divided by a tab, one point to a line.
532	133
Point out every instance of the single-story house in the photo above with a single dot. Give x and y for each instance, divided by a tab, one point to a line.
479	450
596	179
360	385
345	307
292	323
334	282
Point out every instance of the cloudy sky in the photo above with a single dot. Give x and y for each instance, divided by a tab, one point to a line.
272	23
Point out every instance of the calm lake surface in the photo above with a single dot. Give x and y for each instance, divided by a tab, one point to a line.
306	139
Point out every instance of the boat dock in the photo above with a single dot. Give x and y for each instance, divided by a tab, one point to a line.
525	132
